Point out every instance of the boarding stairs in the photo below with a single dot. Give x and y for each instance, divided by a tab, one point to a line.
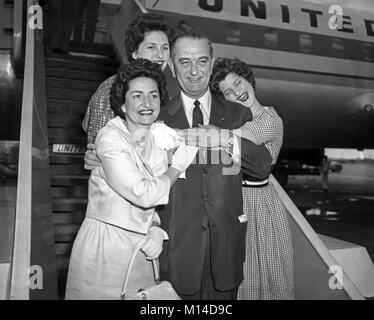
71	80
52	181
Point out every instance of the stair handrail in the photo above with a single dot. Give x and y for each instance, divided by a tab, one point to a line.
314	240
20	268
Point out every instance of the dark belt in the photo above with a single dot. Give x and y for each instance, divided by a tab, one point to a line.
255	184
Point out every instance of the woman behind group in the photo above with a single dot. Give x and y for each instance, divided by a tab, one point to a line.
125	190
148	37
268	268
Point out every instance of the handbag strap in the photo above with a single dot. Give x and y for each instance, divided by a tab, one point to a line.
127	277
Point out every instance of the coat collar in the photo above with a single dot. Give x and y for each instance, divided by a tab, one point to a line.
175	109
119	125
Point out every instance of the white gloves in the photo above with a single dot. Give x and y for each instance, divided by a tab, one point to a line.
153	244
165	137
183	157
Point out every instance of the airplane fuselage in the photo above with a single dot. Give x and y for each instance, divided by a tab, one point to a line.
313	63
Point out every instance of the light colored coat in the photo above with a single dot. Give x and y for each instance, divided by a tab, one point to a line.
122	191
123	195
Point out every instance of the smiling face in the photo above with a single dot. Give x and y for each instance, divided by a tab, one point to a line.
192	65
154	47
142	104
238	89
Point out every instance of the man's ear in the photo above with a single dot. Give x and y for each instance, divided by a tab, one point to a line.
134	55
211	66
171	66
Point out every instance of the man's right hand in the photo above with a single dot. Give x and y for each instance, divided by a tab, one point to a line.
91	161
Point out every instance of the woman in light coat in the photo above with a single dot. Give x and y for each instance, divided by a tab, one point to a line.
124	192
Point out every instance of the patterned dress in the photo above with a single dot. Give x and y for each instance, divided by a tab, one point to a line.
98	112
268	267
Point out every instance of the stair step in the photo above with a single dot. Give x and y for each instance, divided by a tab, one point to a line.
67	106
73	135
58	169
69	180
74	117
63	248
78	74
68	140
69	205
65	237
72	84
82	65
92	48
69	191
76	95
65	158
69	217
66	228
56	120
102	60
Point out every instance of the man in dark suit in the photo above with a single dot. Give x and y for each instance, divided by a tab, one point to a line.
204	256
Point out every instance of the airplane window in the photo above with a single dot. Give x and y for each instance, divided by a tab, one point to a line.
271	38
337	47
305	41
232	33
368	51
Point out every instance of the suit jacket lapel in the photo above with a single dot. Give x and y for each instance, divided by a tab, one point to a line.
216	112
178	116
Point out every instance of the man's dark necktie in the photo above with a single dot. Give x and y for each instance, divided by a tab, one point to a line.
197	116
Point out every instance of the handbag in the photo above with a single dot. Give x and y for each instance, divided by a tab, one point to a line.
162	290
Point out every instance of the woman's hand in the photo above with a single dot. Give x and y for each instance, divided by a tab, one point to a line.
153	244
165	137
91	161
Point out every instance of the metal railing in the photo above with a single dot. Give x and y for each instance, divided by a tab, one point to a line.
33	248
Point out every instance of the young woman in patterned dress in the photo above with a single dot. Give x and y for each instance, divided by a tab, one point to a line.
268	268
148	37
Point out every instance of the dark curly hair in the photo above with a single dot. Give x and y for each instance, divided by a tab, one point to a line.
223	66
138	27
129	71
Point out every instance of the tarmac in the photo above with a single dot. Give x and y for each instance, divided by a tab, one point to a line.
346	212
